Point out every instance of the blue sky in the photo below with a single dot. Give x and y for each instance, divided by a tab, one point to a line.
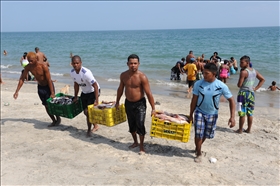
135	15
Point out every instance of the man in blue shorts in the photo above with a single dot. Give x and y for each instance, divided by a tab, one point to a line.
246	96
205	106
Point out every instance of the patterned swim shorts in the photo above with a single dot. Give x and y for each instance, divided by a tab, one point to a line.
205	125
247	98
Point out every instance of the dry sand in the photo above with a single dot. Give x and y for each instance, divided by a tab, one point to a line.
33	154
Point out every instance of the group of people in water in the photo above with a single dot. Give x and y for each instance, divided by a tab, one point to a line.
225	67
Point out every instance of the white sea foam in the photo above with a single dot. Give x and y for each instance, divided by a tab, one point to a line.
11	72
171	84
5	66
116	80
56	74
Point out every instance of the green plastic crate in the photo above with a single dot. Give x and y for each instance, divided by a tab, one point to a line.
67	111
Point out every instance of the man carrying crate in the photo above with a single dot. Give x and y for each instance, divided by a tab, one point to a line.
205	106
45	84
136	84
83	78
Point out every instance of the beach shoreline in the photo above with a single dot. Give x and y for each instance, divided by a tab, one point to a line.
33	154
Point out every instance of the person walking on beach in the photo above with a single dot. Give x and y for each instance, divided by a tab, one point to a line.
205	105
136	84
84	78
41	56
246	96
45	84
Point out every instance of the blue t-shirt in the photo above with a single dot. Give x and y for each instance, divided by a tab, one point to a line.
209	95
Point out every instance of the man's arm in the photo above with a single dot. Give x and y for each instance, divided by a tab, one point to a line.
242	76
48	78
147	90
96	92
119	91
20	82
231	121
261	81
193	106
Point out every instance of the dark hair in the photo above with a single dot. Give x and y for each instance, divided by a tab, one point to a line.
183	59
36	48
24	54
133	56
216	53
231	58
76	57
190	51
273	83
226	61
246	58
211	67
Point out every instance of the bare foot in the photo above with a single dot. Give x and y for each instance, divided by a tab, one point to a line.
133	145
142	153
198	159
95	128
239	131
247	131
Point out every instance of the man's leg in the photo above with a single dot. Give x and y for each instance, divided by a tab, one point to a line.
51	116
135	142
250	123
142	143
241	123
198	152
88	123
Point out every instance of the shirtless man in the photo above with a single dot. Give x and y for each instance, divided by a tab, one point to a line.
136	84
188	57
199	65
41	56
45	84
234	63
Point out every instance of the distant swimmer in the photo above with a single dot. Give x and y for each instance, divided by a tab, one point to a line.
41	56
5	52
273	86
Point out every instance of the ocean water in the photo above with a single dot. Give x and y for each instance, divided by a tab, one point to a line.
106	52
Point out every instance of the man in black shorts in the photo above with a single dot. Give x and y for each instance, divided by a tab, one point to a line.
83	78
136	84
45	84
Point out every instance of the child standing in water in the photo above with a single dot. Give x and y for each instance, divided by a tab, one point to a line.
273	86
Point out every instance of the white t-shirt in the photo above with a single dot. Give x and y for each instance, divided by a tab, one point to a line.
85	79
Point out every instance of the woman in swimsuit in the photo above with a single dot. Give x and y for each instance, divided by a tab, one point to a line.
224	70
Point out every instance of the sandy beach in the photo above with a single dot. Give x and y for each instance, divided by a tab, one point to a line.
34	154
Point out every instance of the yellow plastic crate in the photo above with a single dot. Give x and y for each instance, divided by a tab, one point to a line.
108	116
170	130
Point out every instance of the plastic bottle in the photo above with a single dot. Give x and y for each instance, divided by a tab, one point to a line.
239	106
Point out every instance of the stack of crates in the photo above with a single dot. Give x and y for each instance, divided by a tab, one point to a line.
67	111
107	116
170	130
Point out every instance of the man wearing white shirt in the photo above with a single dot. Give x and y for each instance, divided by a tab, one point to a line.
83	78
